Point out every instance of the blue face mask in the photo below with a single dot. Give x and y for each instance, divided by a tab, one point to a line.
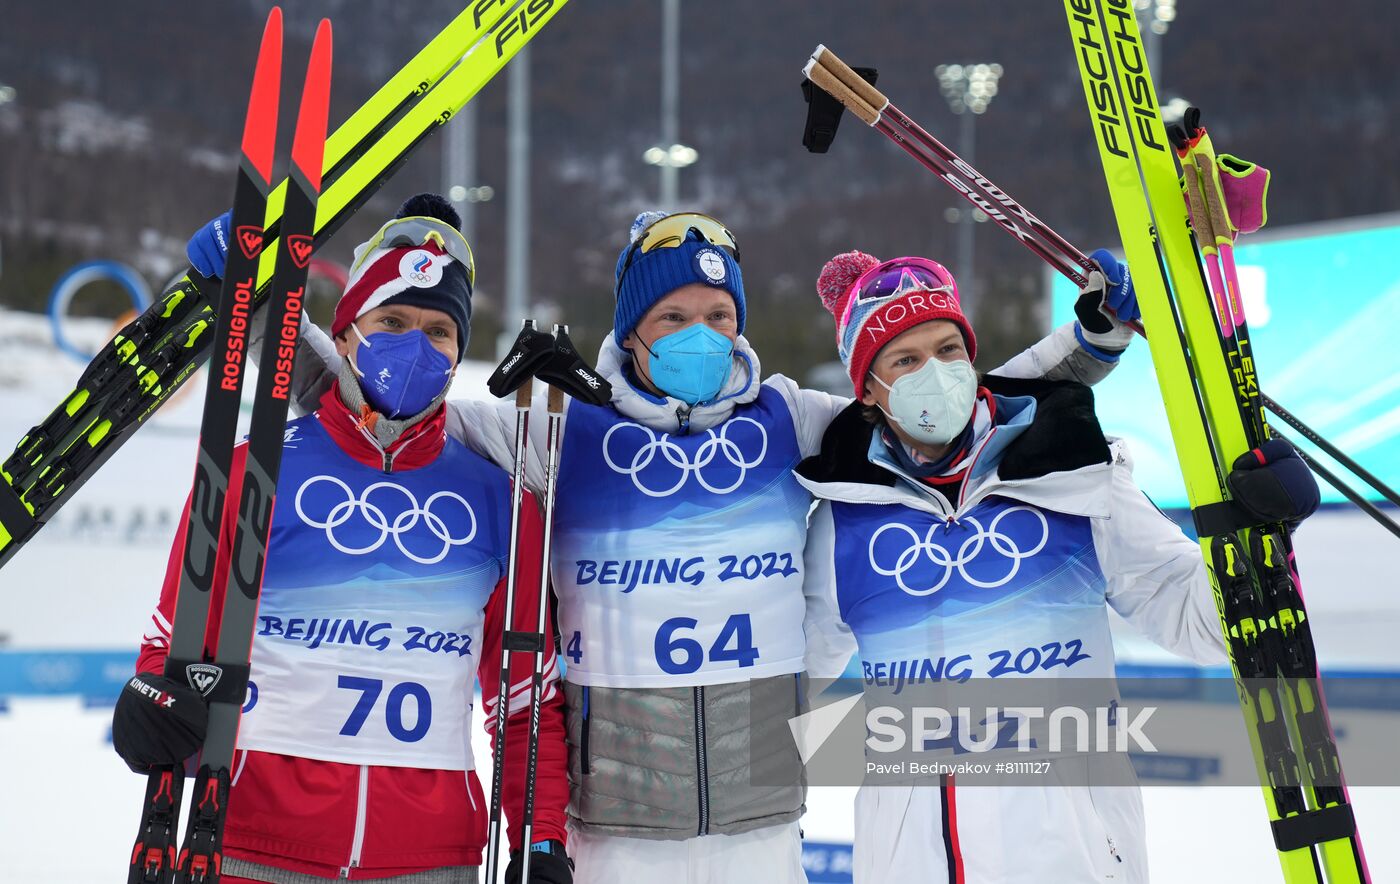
401	374
691	364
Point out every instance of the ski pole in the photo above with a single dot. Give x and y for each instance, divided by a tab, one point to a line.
1337	454
535	641
1210	219
835	77
565	372
515	373
1346	490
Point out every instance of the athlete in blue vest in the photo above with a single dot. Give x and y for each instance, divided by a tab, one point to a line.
382	605
980	528
678	563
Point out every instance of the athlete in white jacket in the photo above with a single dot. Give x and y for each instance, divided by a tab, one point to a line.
679	534
981	528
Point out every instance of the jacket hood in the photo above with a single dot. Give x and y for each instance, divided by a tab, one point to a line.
664	412
1049	460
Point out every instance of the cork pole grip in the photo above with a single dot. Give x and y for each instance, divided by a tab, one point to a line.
1218	218
556	400
524	393
827	82
855	82
1196	204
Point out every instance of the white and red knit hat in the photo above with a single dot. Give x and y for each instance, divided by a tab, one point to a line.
874	301
419	258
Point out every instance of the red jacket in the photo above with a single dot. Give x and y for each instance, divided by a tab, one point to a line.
343	820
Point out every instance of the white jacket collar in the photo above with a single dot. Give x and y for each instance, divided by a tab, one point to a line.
665	414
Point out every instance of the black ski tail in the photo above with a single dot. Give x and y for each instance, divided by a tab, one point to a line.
153	857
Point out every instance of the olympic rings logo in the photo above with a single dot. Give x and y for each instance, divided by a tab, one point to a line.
967	552
404	522
715	445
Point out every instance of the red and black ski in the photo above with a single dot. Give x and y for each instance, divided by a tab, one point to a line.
220	674
201	855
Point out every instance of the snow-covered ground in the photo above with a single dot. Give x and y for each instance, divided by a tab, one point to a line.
72	805
87	583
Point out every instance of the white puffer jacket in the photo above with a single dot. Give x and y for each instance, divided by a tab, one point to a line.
1011	580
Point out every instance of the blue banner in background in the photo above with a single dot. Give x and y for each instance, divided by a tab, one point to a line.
96	676
826	861
1322	303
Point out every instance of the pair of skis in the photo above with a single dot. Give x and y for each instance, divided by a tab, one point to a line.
1205	368
1213	401
148	360
223	678
551	358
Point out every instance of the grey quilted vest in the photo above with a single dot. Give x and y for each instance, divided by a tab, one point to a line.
672	763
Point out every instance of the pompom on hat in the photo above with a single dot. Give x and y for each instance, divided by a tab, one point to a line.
418	258
875	301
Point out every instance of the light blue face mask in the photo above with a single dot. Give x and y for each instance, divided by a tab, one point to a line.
691	364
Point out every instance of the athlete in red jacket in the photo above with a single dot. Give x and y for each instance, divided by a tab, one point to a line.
383	600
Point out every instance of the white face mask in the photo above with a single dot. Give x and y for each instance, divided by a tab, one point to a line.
933	403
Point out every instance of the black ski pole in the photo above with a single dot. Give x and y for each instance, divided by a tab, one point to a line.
1346	490
1337	454
565	373
515	374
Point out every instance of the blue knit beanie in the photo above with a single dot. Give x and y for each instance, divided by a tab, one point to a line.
654	275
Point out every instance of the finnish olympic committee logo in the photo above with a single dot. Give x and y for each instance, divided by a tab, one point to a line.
659	467
711	264
449	506
1003	544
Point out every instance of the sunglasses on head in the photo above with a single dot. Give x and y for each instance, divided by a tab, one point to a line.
673	230
416	231
900	276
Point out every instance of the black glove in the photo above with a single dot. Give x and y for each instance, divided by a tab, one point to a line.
158	721
551	866
1272	484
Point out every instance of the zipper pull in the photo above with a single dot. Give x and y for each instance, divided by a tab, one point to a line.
683	417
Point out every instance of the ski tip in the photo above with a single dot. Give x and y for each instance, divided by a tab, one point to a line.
308	147
260	128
